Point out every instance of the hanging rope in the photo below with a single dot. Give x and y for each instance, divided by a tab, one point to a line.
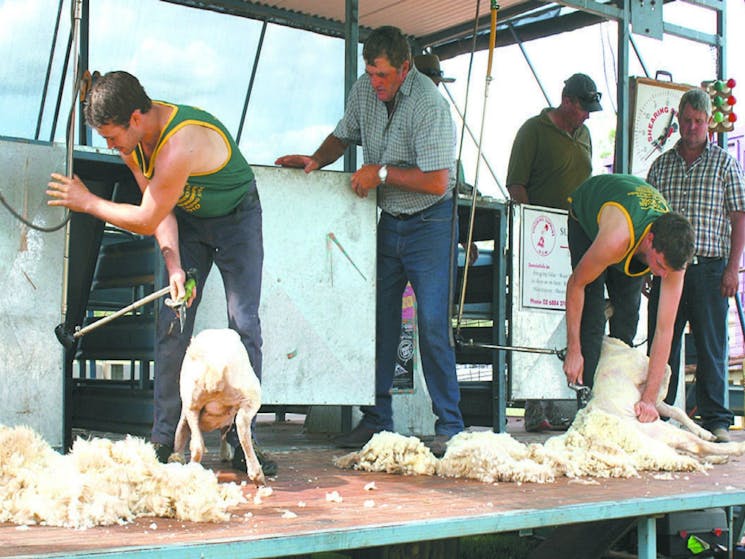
494	8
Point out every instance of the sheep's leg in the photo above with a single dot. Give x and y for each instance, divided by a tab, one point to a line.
706	448
688	442
226	451
196	445
243	419
182	433
679	415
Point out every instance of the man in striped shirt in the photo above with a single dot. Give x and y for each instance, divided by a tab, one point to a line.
703	182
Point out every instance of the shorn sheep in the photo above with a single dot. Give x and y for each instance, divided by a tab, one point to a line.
605	439
218	385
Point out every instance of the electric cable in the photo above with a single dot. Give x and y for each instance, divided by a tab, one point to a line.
454	232
69	137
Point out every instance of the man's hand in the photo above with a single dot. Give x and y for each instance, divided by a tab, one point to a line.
176	282
574	364
69	192
646	412
730	282
365	179
305	162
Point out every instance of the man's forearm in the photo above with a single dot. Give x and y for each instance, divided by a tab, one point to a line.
518	193
737	239
167	236
329	151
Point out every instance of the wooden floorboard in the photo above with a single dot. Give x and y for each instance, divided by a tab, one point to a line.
399	509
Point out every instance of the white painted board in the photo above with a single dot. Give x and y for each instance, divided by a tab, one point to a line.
31	367
317	306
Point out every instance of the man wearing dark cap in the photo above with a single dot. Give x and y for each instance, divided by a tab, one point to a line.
552	152
551	156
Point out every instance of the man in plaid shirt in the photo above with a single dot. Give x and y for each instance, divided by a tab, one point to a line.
704	183
408	142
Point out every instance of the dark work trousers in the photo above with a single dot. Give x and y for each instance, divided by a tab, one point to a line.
417	249
624	293
705	309
234	243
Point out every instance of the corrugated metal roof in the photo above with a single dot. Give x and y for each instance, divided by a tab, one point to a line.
418	18
428	22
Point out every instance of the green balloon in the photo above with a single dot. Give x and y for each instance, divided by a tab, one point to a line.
718	117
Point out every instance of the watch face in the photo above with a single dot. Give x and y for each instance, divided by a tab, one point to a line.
655	124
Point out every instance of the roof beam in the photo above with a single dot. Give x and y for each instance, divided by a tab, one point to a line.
527	32
262	12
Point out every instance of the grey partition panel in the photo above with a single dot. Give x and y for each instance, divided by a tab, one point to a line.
318	296
540	268
31	282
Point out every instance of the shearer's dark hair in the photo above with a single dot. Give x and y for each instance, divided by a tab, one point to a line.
113	98
387	41
674	238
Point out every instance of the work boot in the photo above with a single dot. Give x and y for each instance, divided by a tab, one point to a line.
535	416
162	452
438	445
268	466
721	434
357	437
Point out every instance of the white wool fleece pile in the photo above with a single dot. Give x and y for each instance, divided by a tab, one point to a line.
101	482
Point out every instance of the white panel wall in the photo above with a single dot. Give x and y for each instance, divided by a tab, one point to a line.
317	310
31	287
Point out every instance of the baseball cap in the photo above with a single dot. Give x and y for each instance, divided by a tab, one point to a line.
583	88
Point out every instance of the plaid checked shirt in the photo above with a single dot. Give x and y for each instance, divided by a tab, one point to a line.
705	193
419	133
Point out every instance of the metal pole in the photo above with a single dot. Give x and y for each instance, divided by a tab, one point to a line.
251	83
45	89
473	137
519	43
492	41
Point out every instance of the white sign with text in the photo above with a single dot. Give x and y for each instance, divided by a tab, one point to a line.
545	258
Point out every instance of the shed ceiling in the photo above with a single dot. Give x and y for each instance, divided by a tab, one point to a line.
445	26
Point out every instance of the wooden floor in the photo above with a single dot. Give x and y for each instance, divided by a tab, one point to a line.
299	517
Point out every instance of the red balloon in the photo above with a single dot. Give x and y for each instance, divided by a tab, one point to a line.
732	117
731	83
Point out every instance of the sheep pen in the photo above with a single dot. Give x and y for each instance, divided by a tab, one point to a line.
102	482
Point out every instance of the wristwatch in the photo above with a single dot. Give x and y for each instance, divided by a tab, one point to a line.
383	174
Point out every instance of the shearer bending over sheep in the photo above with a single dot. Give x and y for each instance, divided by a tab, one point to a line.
199	199
621	222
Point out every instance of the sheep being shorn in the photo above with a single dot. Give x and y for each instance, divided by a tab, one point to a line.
101	482
605	439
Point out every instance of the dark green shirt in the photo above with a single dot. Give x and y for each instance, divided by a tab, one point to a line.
212	194
641	203
548	161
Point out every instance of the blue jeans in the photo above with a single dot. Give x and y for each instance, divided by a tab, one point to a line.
624	293
416	249
703	306
234	243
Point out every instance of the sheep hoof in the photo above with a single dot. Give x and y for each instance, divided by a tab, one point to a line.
176	458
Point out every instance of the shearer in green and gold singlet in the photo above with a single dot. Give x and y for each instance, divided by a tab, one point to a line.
199	199
620	222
